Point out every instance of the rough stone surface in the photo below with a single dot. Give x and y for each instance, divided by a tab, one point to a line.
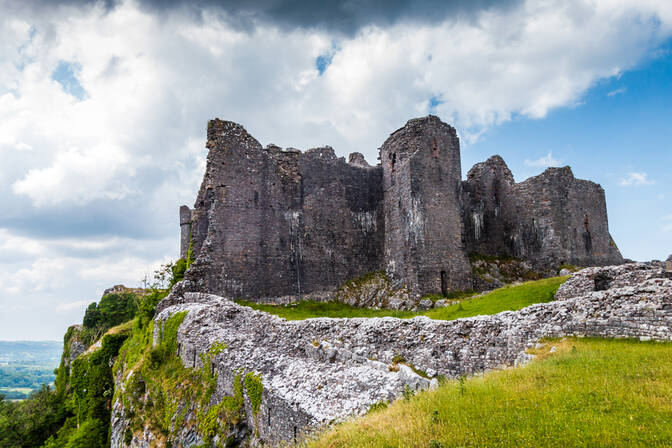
185	230
492	273
423	220
277	225
375	291
76	349
270	222
317	371
548	220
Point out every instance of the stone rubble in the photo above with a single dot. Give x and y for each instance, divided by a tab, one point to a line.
321	370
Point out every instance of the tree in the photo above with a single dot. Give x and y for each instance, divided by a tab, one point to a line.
91	316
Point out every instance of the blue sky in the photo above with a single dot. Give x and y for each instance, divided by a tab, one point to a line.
104	107
621	125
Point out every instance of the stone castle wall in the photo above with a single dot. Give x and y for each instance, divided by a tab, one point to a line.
548	220
271	223
423	220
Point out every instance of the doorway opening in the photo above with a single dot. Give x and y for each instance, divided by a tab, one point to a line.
444	283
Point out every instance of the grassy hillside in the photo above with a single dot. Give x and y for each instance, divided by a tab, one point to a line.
590	392
507	298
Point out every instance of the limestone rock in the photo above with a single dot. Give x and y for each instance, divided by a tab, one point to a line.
317	371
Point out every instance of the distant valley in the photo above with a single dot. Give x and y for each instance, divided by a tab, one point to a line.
26	365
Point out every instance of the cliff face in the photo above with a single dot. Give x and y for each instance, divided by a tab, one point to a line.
282	225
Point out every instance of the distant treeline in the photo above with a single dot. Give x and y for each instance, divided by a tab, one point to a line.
31	377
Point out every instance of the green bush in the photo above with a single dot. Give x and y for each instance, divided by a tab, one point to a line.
178	269
254	389
91	316
91	434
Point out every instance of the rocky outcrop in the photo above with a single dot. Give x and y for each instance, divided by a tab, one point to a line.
375	291
494	272
317	371
275	225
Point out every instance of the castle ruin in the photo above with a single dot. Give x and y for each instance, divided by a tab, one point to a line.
271	223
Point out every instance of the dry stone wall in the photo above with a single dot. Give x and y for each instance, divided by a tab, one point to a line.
321	370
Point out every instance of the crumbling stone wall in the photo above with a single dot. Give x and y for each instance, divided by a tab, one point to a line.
489	214
317	371
281	225
423	219
563	220
548	220
272	222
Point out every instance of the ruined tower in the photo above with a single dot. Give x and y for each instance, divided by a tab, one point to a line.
423	219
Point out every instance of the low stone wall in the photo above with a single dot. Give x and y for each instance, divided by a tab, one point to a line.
321	370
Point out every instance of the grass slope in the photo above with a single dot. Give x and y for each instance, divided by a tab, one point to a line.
502	299
589	393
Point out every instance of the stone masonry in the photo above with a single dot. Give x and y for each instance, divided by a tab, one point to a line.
283	225
548	220
321	370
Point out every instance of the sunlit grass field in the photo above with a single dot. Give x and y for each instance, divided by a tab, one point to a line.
511	298
589	393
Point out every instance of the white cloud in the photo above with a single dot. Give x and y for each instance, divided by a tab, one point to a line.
81	176
543	162
618	91
76	305
636	179
134	146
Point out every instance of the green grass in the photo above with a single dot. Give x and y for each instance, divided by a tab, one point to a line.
589	393
308	309
507	298
503	299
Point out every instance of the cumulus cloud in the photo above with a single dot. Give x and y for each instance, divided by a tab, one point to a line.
81	176
103	105
342	16
543	162
636	179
